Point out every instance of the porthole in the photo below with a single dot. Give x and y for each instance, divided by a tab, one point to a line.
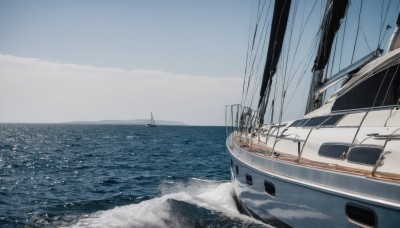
269	188
333	150
249	179
361	215
366	155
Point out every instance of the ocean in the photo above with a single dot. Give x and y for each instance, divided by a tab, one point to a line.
71	175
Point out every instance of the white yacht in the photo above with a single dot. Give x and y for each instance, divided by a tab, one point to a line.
339	164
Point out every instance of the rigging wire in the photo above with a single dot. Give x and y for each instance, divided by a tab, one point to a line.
333	57
358	28
307	62
300	36
281	70
341	50
302	29
252	47
388	26
247	55
383	23
262	37
362	29
253	57
284	82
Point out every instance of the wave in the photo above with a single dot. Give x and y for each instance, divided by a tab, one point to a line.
182	203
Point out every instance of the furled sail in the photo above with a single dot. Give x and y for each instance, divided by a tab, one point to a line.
278	28
334	13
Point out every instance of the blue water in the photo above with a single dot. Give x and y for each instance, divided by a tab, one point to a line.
56	175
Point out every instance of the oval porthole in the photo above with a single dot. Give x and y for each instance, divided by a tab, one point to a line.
249	179
361	215
269	188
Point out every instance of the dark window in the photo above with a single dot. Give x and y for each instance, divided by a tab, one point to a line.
298	123
269	188
237	170
333	120
361	215
333	150
231	163
249	179
381	89
316	121
364	155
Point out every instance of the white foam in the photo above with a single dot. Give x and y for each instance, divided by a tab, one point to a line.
216	196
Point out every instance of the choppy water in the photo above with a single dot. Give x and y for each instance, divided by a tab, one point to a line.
54	175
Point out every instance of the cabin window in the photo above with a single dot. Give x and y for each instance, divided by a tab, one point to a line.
237	170
381	89
333	150
333	120
299	123
249	179
361	215
364	155
316	121
269	188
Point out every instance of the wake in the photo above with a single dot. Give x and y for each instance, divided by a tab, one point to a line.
190	203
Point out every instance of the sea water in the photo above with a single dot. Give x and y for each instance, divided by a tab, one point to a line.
66	175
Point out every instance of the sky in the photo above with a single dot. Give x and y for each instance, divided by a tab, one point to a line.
100	60
294	70
183	60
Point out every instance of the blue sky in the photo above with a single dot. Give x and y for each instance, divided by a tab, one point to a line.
190	55
190	37
184	60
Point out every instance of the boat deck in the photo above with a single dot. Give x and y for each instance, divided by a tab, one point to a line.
253	145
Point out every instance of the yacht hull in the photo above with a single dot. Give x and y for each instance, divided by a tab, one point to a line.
287	194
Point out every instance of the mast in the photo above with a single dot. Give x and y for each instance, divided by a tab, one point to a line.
277	34
334	13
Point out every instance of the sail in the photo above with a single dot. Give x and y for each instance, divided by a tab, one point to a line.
334	13
152	122
278	28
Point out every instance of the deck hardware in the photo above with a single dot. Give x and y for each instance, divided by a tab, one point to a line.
380	161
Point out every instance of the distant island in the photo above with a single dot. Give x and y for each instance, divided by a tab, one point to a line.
133	122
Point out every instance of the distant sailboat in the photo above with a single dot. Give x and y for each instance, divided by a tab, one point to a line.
152	122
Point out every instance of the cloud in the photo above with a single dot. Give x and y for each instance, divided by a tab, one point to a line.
36	90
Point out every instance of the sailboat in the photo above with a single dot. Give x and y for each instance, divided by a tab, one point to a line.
152	122
338	164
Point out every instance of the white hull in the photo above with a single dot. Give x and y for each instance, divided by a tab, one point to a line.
307	196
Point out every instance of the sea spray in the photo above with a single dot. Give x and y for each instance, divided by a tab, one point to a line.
188	203
62	175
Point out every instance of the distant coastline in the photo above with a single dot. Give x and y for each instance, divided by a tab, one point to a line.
128	122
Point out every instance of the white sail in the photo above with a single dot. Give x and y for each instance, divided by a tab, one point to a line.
152	122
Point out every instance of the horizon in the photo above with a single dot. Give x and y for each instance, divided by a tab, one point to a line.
185	61
139	122
96	60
